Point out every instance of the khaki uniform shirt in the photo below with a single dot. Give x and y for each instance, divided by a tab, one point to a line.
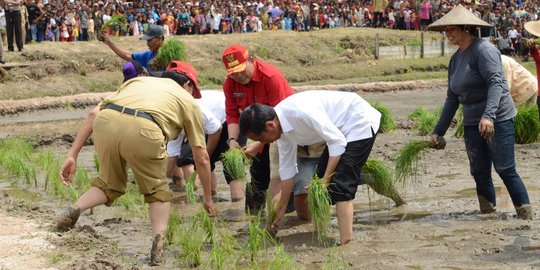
172	107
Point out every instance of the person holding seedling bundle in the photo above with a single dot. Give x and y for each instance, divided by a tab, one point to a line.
344	121
533	45
132	126
250	80
154	40
476	81
212	105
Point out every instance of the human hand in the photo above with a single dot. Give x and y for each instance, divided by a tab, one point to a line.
279	216
437	142
233	144
210	207
67	172
486	128
251	150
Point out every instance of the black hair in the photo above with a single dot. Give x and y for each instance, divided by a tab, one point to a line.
180	79
253	119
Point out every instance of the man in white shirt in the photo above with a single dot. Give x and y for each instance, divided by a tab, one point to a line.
345	121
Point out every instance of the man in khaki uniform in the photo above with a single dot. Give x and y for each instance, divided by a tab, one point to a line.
132	126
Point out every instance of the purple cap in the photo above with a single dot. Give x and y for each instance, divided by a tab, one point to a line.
131	70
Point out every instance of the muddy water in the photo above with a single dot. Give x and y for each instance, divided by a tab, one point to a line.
439	227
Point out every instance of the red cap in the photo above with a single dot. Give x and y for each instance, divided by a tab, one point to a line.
187	70
235	58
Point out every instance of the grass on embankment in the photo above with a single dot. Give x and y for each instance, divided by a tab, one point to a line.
333	56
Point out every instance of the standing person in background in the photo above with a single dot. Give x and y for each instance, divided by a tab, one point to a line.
250	80
13	23
533	28
476	81
3	33
25	25
425	10
378	11
33	14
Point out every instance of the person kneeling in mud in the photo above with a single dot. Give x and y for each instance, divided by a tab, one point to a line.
131	127
344	121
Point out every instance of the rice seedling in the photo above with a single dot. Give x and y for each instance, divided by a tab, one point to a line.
173	226
387	119
96	161
258	239
319	206
380	178
222	249
458	132
204	221
191	196
133	201
282	259
526	124
234	161
172	50
408	160
271	211
334	260
191	239
424	121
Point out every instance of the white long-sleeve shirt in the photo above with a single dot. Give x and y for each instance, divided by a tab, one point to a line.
322	116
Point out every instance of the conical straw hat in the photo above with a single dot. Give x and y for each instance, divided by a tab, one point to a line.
457	16
533	28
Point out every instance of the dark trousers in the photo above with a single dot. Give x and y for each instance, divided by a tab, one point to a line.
13	24
499	152
260	179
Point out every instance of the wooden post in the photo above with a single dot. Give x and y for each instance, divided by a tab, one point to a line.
422	44
377	46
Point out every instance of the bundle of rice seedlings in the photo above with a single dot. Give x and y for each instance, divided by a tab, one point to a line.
319	206
191	196
408	159
114	22
424	121
172	50
526	124
271	212
234	161
380	178
387	120
458	133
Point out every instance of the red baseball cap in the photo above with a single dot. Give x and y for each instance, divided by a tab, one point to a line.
235	58
187	70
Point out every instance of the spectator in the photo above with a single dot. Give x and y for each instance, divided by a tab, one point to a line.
13	23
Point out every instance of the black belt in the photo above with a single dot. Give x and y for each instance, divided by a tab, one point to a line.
130	111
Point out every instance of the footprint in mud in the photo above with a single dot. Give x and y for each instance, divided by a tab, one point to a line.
111	221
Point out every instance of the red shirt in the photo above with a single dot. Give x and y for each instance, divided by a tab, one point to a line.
535	53
268	86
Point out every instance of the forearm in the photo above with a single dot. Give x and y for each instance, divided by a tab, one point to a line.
450	107
84	133
202	162
234	130
122	53
286	188
331	167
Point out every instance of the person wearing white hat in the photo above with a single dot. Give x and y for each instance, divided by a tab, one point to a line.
533	27
477	82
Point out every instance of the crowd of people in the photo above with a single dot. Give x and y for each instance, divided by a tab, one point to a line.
75	20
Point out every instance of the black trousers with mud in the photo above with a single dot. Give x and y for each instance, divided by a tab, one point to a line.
260	179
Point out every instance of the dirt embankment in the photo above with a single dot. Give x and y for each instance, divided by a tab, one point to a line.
11	107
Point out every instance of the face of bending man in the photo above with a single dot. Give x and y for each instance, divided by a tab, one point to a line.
271	134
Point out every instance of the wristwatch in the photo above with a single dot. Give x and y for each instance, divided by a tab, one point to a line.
230	139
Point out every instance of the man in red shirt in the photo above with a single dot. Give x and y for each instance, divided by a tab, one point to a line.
249	81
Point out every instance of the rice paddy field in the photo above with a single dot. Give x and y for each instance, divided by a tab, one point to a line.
430	219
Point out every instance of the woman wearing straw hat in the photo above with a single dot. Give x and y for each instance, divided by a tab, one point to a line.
476	81
533	28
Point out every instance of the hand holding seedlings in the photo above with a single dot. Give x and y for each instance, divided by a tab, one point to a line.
437	142
210	207
68	171
486	128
